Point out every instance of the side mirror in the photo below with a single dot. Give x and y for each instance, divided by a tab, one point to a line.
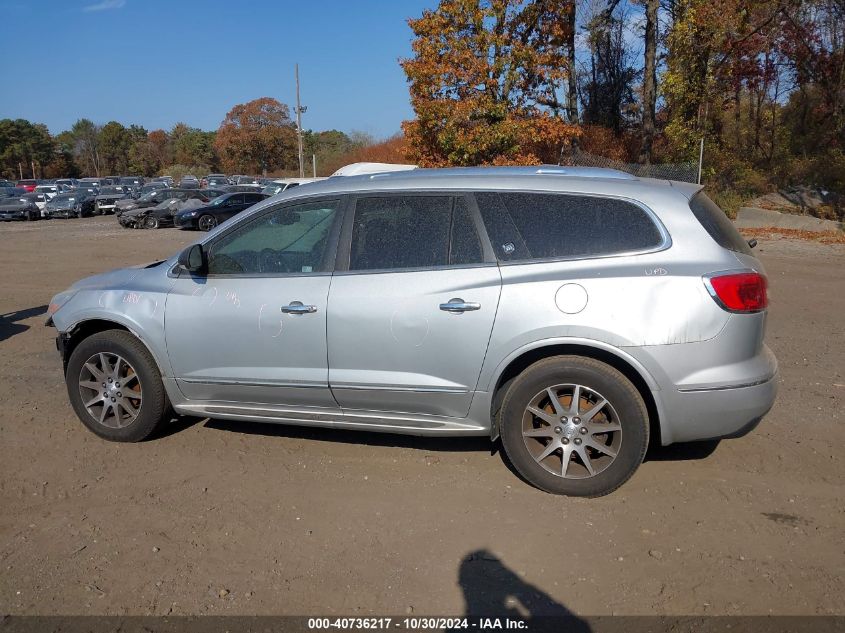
752	243
193	259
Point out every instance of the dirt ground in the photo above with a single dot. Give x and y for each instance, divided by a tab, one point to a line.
235	518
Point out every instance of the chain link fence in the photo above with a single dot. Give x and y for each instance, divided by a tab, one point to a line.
686	172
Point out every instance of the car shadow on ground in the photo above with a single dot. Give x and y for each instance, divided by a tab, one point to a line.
10	322
687	451
491	589
675	452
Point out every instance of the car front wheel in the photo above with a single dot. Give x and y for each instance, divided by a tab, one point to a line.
115	387
574	426
207	222
151	222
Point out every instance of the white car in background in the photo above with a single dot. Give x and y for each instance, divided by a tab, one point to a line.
40	199
48	190
283	184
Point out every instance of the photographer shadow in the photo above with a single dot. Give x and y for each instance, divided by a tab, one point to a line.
492	590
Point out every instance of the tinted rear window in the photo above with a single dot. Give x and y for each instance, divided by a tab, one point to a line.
564	226
717	224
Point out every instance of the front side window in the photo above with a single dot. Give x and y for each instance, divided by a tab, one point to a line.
290	239
564	226
400	232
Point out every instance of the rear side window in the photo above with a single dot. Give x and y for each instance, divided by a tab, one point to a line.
563	226
400	232
717	224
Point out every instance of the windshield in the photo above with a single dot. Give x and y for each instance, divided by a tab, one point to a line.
15	202
218	201
111	191
66	197
150	195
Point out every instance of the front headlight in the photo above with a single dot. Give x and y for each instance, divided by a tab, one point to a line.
59	300
190	214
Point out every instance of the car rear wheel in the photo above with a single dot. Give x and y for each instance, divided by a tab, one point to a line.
151	222
574	426
115	387
207	222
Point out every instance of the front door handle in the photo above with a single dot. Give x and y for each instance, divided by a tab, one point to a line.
459	305
297	307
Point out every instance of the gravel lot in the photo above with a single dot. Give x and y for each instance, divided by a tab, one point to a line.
235	518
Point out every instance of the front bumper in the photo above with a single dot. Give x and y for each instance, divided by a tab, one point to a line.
185	222
13	216
61	213
130	221
106	207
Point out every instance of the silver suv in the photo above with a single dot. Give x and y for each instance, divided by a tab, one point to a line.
577	314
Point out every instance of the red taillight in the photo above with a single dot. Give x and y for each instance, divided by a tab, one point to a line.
739	292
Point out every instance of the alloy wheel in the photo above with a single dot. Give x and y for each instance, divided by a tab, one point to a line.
572	431
110	390
207	222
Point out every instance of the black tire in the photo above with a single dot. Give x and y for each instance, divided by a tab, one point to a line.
151	222
154	410
206	222
625	401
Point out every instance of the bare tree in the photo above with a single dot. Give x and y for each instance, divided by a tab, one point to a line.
649	81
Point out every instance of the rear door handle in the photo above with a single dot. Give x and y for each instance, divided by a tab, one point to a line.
459	305
297	307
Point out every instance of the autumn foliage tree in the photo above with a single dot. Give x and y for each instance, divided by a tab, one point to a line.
488	81
257	136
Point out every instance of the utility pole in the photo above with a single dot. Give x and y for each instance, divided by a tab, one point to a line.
314	164
700	159
299	110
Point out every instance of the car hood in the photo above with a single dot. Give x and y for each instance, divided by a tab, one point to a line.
114	278
132	213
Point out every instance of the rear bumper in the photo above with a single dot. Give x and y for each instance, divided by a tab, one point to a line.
723	412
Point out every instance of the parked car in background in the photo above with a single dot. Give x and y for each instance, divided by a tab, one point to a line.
216	181
89	183
168	180
217	211
189	182
157	196
164	203
246	180
12	192
6	183
150	186
67	182
108	196
48	190
75	204
12	209
243	188
132	183
40	200
283	184
204	182
29	185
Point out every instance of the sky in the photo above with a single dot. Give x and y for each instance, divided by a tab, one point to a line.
158	62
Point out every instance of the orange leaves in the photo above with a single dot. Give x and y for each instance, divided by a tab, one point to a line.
484	82
257	136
